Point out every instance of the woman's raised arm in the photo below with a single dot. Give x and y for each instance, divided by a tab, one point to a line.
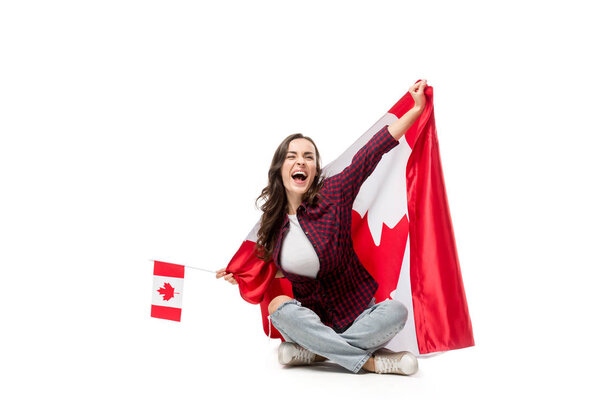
399	127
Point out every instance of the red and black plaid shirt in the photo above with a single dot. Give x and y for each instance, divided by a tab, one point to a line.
343	288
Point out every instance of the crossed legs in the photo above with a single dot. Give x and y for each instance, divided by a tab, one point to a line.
352	348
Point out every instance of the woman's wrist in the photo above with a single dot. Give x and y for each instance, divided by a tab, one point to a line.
418	109
399	127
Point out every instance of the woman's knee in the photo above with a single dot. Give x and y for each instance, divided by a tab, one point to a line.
276	302
399	311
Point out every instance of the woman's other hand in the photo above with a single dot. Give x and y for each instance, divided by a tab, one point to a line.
399	127
417	91
222	273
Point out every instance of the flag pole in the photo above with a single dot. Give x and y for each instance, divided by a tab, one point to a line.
200	269
189	266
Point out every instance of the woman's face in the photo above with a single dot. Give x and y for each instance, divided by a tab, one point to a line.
299	168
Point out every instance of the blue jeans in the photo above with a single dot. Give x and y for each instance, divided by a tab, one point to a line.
370	331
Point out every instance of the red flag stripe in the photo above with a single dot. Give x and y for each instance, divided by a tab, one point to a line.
171	313
167	269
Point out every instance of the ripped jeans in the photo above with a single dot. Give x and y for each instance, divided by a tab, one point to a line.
351	349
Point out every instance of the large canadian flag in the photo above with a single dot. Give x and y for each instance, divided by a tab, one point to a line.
167	291
402	233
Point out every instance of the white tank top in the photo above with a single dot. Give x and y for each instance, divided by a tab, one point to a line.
297	254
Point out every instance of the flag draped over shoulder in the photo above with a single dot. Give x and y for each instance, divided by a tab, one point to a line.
402	233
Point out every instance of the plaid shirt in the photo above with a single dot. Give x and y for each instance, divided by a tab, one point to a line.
343	288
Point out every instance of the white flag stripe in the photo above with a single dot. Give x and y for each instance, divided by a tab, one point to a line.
406	339
338	165
383	193
176	283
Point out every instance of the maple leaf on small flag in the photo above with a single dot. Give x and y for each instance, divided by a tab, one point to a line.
167	291
168	277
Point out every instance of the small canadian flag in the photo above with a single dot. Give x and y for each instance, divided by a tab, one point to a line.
167	291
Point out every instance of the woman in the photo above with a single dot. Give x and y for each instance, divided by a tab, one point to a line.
305	230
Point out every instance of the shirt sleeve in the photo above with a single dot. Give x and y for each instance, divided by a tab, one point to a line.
348	182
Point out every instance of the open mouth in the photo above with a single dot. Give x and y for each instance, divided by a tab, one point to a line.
299	177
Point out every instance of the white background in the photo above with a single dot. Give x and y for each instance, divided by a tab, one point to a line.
137	130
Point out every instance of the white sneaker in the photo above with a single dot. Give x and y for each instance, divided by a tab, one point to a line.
293	354
402	363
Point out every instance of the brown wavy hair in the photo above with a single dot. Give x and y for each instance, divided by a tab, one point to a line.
275	198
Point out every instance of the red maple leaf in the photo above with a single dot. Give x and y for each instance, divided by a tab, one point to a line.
384	261
167	291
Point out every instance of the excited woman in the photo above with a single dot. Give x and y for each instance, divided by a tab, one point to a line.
305	231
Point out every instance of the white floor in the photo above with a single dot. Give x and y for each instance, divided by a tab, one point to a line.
213	353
